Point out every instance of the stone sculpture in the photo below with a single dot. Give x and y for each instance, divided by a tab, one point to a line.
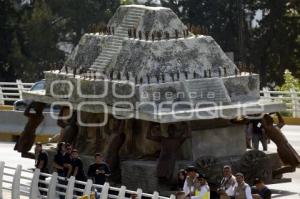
286	152
69	126
169	146
27	137
153	63
117	139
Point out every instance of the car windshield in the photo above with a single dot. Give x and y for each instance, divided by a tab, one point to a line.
38	86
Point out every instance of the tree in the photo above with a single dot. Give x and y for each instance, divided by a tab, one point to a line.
275	42
29	36
290	82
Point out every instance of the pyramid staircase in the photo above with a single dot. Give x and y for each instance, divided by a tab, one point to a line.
113	47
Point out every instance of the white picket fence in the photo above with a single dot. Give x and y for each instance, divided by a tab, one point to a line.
12	91
20	182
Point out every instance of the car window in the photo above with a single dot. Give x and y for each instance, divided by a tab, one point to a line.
38	86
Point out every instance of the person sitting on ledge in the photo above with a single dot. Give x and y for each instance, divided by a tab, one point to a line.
263	191
41	163
189	183
228	183
242	190
67	160
181	176
201	188
77	170
99	170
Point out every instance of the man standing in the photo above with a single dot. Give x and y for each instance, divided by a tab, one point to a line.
228	183
98	171
41	163
263	191
258	134
189	183
168	148
242	190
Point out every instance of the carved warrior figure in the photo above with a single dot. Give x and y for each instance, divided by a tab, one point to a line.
27	138
169	146
116	128
286	152
69	126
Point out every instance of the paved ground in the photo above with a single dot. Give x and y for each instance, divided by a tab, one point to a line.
282	191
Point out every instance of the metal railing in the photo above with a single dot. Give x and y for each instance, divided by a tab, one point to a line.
290	98
35	185
12	91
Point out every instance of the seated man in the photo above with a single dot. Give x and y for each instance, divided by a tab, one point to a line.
189	183
228	183
201	189
98	171
242	190
263	191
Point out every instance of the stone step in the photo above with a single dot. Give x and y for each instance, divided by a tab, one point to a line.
103	58
127	24
102	63
133	16
107	55
135	10
122	28
111	50
132	20
114	47
116	38
122	33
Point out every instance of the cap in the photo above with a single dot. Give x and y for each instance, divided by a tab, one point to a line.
201	175
257	181
239	174
74	150
191	168
227	167
38	143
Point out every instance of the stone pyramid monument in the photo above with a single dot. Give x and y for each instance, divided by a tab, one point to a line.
147	67
148	56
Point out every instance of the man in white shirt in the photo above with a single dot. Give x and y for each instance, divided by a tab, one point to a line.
227	183
189	183
201	189
242	190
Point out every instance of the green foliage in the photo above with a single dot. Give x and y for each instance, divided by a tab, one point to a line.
270	46
29	36
290	82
